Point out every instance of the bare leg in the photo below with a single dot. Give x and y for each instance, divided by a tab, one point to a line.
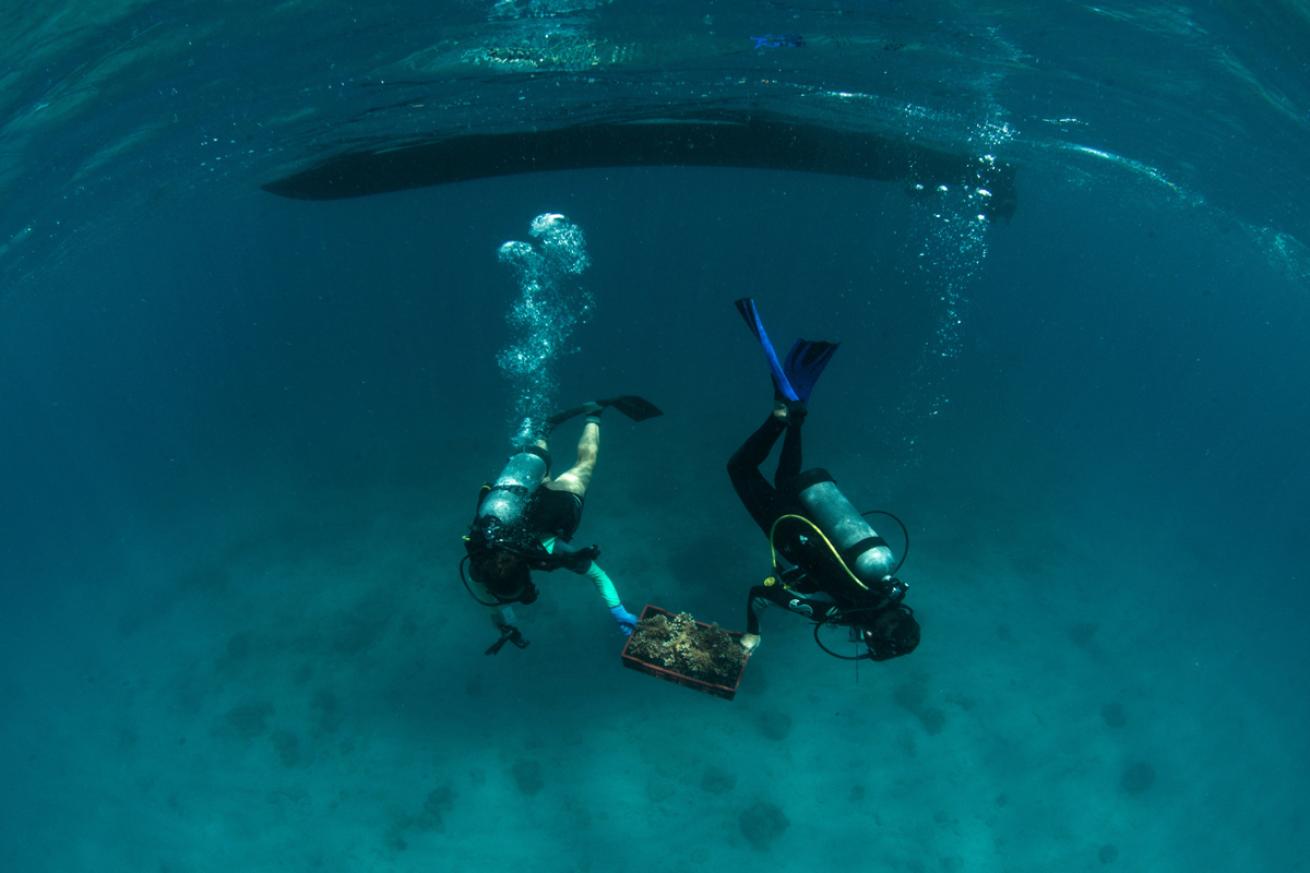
578	477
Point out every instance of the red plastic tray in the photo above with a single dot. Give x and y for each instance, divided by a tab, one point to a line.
727	692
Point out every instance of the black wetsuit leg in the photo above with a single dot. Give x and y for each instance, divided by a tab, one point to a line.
757	495
789	462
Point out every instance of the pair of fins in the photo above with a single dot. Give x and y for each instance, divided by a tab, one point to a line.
794	377
630	405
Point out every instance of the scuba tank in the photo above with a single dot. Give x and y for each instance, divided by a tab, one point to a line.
505	503
864	553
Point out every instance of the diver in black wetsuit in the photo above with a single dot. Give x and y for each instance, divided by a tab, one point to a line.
841	572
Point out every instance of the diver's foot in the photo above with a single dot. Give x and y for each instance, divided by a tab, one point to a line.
750	642
791	412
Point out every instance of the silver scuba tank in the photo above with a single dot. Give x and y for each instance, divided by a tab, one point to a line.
507	500
860	547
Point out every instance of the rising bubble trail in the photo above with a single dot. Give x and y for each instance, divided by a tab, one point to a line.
551	305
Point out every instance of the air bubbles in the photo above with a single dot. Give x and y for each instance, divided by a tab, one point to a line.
551	305
951	233
562	242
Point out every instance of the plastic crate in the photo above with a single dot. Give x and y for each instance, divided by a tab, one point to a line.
727	692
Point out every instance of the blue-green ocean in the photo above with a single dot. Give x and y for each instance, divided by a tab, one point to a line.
242	436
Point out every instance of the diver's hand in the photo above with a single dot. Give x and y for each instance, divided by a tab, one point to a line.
750	642
627	621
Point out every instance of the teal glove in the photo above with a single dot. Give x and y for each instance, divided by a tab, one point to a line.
627	621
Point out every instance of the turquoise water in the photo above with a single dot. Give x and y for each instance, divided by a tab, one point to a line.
244	434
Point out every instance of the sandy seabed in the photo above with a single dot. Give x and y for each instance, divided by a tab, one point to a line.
296	688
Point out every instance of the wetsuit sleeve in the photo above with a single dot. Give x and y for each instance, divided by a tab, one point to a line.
762	595
756	494
552	555
757	599
604	585
569	557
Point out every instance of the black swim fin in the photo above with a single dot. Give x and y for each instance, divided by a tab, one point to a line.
630	405
508	634
634	407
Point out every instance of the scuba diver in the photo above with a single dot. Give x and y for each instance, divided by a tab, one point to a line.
841	572
525	520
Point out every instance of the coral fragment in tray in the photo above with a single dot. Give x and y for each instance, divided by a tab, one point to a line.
676	647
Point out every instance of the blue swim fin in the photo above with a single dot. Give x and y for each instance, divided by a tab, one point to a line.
793	379
805	363
751	314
